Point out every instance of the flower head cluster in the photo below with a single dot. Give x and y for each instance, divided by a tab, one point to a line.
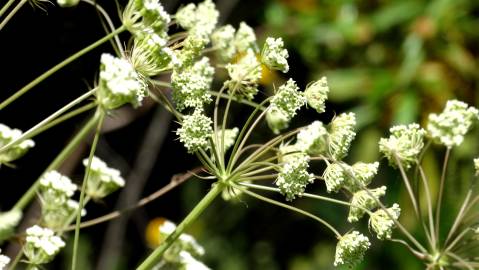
41	245
449	127
316	94
102	180
191	85
403	145
222	39
336	176
245	38
119	83
350	249
284	105
274	55
190	52
245	75
184	252
382	224
293	176
199	20
4	261
229	137
8	135
312	139
146	16
195	131
151	55
341	134
8	222
363	174
364	200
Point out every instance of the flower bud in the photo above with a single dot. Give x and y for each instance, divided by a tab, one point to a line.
102	180
382	224
293	176
350	249
341	134
274	56
363	200
15	151
316	94
41	245
195	131
313	139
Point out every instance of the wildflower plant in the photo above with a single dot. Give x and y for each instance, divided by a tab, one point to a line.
283	164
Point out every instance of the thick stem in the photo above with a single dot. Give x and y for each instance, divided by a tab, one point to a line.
100	114
72	145
6	6
156	255
59	66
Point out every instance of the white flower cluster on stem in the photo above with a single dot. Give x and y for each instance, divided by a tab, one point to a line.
195	131
102	180
41	245
16	151
350	249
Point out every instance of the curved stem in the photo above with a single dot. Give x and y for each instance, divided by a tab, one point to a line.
59	66
408	187
289	207
100	114
30	194
441	190
12	13
156	255
28	134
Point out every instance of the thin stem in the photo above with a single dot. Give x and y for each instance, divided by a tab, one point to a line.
441	190
456	240
28	134
289	207
6	6
30	194
63	118
239	100
157	254
408	187
459	217
460	260
59	66
100	114
12	13
413	251
429	206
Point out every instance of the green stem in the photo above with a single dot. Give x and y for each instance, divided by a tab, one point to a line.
72	145
12	13
6	6
292	208
157	254
429	207
441	191
239	100
407	183
100	114
28	134
59	66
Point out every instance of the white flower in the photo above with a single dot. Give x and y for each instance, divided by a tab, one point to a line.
316	94
195	131
41	245
336	176
4	261
405	143
199	21
222	40
102	179
245	38
245	75
191	85
190	52
293	176
312	139
350	249
382	224
119	83
189	262
59	184
284	105
142	16
15	151
449	127
229	137
151	55
341	134
363	173
274	56
364	199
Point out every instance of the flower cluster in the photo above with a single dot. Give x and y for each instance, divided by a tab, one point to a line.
8	221
184	252
119	83
222	40
350	249
245	38
245	75
335	176
364	200
199	20
284	105
146	16
229	137
403	145
274	56
381	222
449	127
8	135
312	139
191	85
195	131
293	176
41	245
341	131
102	180
316	94
150	55
4	261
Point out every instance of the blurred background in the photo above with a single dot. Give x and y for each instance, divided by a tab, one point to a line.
390	62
